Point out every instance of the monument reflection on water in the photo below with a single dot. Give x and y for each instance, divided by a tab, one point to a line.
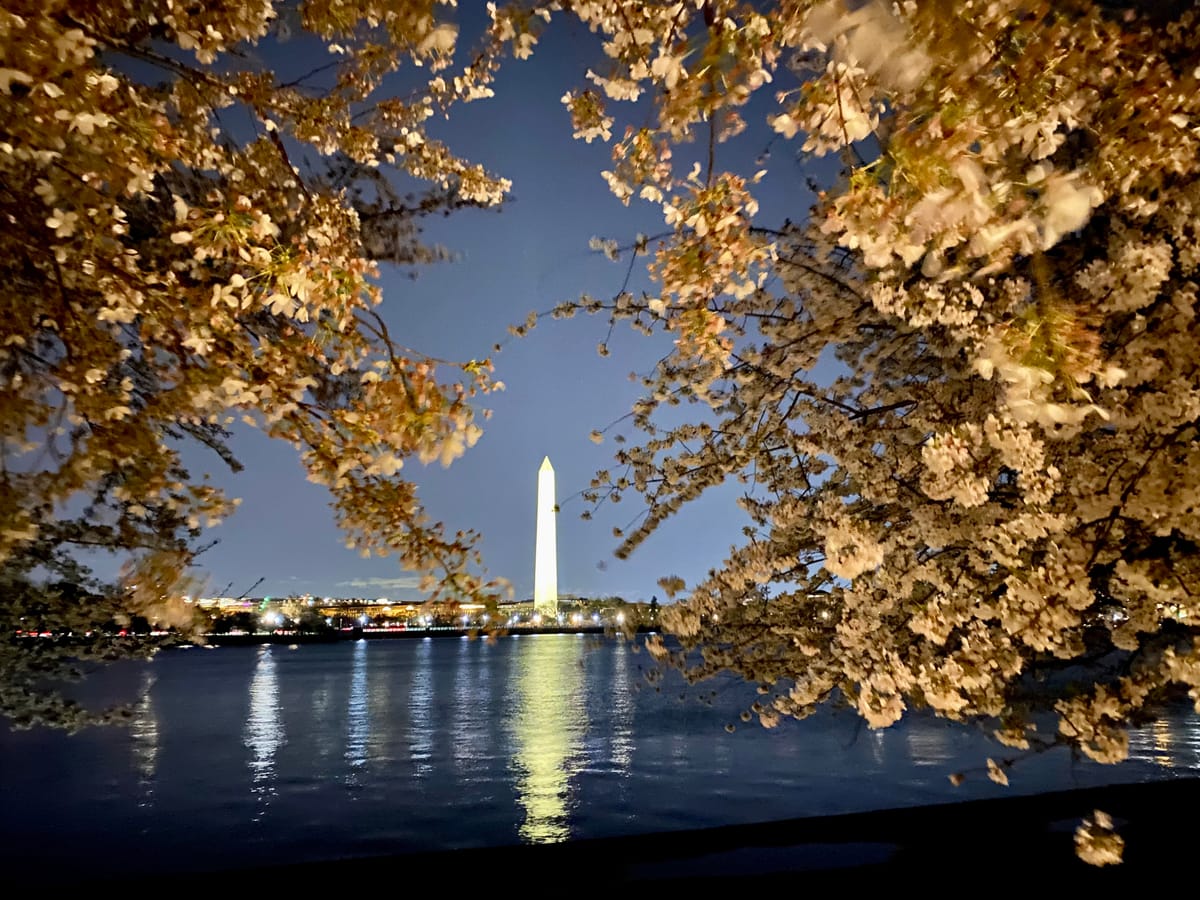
549	724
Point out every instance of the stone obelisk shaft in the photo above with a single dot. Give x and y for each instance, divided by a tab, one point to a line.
545	559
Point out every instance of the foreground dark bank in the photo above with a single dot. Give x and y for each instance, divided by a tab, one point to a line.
1021	842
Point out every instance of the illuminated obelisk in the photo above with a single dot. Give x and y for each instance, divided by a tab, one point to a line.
545	553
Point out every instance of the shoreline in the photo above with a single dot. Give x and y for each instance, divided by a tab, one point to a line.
1022	843
373	634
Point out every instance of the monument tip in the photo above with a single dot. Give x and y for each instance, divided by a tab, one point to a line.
546	464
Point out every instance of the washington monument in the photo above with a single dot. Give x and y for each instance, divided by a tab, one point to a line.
545	555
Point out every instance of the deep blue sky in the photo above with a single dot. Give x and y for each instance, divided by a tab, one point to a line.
529	256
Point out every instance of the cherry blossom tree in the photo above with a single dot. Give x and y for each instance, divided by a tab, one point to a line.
191	238
962	396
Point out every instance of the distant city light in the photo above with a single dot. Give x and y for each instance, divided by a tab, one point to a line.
620	618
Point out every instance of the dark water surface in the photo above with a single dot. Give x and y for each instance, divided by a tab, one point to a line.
253	755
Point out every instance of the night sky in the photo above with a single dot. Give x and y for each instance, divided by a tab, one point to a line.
529	256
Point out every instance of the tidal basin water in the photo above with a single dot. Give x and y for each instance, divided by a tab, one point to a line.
243	756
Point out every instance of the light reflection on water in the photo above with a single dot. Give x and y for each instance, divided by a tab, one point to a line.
1169	743
327	741
358	716
622	707
266	755
468	730
143	732
548	723
263	734
420	709
928	747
